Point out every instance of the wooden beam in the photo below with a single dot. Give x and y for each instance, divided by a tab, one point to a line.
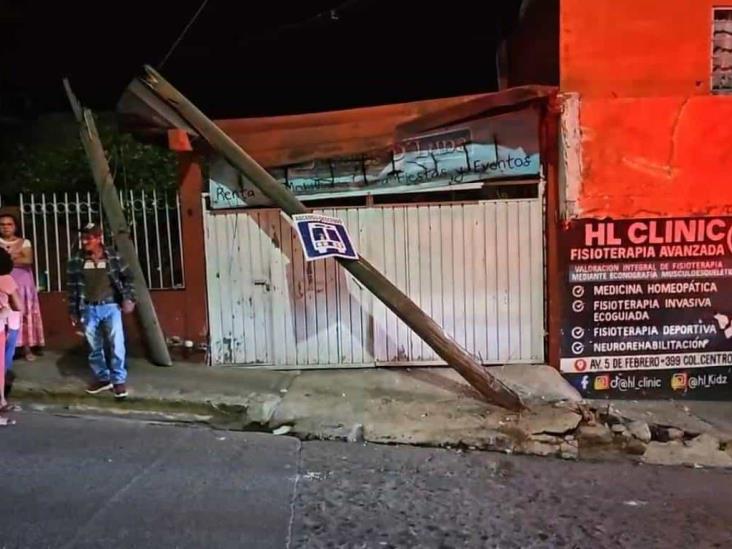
276	158
138	106
491	388
512	98
550	159
310	138
390	115
117	222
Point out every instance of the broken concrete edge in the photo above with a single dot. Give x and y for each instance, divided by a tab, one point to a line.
576	432
663	443
660	429
254	413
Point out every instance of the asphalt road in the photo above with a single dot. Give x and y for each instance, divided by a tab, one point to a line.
101	482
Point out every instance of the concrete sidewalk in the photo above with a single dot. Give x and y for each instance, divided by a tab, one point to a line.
425	406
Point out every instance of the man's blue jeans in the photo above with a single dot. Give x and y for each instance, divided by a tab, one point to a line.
100	321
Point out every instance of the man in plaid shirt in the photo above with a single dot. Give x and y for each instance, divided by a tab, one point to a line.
100	288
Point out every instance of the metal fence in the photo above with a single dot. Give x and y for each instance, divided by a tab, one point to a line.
52	221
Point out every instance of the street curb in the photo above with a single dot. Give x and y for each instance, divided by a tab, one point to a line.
597	435
210	413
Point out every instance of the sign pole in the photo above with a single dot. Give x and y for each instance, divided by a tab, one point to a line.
109	199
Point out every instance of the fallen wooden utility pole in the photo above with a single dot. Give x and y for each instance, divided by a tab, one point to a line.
109	199
491	388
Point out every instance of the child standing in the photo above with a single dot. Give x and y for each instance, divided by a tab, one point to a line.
10	314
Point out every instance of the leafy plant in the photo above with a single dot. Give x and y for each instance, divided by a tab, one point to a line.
30	163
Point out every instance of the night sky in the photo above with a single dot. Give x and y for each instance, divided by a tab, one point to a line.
250	58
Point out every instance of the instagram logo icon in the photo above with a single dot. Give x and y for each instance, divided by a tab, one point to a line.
679	381
602	383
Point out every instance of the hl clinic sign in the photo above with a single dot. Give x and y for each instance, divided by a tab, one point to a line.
648	307
677	237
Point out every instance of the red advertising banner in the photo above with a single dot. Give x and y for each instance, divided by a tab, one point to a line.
648	307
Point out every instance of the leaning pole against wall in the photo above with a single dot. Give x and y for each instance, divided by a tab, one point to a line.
425	327
109	198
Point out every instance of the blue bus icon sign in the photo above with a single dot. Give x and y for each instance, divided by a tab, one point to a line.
322	236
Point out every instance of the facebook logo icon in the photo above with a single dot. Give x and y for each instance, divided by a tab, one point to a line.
584	382
323	236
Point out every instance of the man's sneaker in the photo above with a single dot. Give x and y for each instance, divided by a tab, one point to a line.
119	390
98	386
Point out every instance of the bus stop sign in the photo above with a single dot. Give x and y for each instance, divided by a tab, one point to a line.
322	236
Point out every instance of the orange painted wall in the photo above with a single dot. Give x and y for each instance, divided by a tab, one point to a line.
666	156
193	302
629	48
60	335
654	141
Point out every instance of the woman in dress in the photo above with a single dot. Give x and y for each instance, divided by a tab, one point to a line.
21	251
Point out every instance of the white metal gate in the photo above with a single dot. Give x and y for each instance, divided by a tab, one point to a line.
52	221
476	268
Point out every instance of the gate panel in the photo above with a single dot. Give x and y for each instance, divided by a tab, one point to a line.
477	269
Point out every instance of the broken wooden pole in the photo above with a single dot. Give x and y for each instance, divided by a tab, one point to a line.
109	199
425	327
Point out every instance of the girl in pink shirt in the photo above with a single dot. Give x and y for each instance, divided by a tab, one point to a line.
10	313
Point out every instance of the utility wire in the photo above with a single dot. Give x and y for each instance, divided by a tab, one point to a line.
183	33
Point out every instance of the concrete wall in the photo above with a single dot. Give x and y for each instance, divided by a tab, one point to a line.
636	48
660	156
641	135
60	335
